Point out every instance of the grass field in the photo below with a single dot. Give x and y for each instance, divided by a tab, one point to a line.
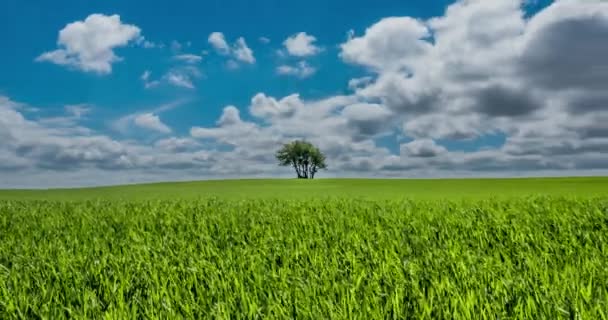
325	249
381	189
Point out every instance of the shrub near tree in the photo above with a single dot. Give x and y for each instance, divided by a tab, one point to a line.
303	156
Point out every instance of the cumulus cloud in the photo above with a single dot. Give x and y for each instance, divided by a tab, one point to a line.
563	47
147	119
152	122
423	148
301	70
179	76
54	145
218	42
358	83
89	45
179	79
37	153
532	79
267	108
242	52
367	120
331	123
392	43
70	119
174	144
239	51
301	45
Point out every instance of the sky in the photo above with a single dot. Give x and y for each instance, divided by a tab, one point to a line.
115	92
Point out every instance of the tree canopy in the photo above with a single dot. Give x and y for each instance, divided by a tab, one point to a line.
303	156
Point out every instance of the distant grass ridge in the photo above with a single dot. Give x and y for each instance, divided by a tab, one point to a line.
522	258
372	189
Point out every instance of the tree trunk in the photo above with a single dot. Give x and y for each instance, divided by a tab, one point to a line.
312	171
297	171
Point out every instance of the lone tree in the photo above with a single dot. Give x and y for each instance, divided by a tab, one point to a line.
304	157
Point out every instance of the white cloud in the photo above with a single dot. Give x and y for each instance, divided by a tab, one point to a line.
324	122
125	123
89	45
188	58
182	77
70	120
424	148
179	80
301	45
301	70
264	40
265	107
44	153
218	42
238	52
529	79
55	146
152	122
392	43
359	83
242	52
174	144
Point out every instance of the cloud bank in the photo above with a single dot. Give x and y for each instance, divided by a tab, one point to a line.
482	70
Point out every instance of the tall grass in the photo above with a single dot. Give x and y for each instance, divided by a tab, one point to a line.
535	258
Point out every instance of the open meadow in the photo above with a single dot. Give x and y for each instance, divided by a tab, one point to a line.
322	249
370	189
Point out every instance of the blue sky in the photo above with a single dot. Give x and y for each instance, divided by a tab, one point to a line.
33	28
128	92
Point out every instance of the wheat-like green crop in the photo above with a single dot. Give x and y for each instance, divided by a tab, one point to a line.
534	258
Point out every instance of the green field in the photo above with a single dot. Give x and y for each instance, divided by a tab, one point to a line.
324	249
380	189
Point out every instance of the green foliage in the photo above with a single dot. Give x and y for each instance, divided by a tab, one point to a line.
527	258
303	156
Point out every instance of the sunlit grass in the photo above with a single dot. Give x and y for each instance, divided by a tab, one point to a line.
526	258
